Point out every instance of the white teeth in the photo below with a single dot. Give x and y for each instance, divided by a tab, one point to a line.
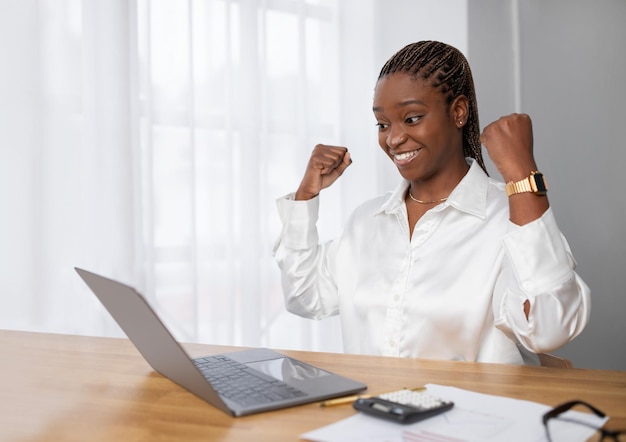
405	156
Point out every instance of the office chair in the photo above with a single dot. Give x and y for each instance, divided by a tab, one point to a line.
550	360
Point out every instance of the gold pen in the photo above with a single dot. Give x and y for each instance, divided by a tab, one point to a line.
350	399
344	400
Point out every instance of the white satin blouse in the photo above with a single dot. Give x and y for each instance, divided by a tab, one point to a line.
454	290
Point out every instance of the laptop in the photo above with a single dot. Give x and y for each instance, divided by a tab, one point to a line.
258	379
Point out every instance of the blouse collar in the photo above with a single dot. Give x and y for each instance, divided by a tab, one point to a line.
470	195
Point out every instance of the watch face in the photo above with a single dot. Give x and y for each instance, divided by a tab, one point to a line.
540	184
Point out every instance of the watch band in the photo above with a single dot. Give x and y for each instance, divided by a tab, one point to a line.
534	183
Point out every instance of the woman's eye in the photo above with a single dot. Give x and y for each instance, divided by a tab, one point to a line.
412	120
381	126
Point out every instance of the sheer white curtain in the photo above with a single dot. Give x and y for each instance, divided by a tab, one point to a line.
147	141
68	170
230	102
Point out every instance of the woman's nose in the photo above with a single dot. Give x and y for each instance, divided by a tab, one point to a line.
396	137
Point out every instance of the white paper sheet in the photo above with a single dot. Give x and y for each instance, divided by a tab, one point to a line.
475	417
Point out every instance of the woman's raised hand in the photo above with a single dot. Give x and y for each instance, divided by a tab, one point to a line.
326	164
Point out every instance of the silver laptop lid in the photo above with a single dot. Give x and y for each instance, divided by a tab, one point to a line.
148	333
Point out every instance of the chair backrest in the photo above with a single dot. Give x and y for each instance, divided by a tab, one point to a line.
550	360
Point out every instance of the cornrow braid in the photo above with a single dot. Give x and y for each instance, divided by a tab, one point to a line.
447	69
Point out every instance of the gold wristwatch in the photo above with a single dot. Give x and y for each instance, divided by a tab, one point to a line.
535	183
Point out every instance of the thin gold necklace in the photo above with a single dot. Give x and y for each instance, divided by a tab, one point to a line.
440	200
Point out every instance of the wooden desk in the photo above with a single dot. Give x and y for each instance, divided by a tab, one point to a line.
73	388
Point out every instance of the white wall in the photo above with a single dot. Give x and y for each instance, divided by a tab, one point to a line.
571	68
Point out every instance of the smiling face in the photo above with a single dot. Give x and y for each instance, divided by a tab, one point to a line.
420	132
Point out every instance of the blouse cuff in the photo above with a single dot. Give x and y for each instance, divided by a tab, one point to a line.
299	220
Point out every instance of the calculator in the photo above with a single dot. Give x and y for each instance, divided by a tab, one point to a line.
404	406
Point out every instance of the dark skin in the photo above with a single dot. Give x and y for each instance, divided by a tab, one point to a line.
423	136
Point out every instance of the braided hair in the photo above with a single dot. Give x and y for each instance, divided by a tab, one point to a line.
447	69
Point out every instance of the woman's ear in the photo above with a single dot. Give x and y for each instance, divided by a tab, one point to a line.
459	111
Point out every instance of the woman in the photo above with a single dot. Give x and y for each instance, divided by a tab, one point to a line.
452	264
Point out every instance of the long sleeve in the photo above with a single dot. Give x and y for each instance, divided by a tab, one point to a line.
539	267
308	284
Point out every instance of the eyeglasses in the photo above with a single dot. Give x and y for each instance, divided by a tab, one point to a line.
560	426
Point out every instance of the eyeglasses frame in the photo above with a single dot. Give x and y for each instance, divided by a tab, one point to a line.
560	409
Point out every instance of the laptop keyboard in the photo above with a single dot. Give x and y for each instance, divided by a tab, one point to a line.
242	384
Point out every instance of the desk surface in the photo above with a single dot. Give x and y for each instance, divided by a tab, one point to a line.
59	387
